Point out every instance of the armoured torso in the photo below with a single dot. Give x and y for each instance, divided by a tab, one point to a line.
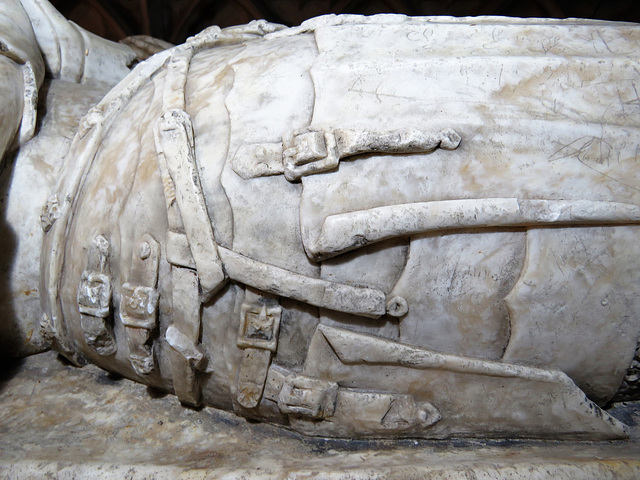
362	238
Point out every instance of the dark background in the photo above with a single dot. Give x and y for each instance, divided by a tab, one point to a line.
175	20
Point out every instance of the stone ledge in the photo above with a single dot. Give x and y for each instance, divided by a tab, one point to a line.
57	421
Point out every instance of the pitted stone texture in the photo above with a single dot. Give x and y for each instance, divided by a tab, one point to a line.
69	423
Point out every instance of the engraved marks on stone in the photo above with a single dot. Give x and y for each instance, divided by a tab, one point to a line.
383	388
94	299
258	337
405	413
139	302
307	152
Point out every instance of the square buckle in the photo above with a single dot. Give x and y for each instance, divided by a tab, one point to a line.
259	326
138	306
94	295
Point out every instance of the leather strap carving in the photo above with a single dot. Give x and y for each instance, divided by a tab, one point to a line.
258	336
315	151
139	302
94	299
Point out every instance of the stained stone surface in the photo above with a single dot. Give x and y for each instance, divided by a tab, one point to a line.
353	256
358	228
58	421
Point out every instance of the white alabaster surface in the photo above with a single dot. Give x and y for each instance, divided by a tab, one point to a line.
362	228
28	178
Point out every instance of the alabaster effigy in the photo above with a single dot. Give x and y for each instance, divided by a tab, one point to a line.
361	227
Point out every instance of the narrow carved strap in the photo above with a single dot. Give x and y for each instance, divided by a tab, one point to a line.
55	220
346	231
258	336
94	299
58	215
175	143
315	151
139	304
309	400
183	336
364	301
196	270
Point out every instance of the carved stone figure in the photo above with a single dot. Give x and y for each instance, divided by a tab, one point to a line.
359	227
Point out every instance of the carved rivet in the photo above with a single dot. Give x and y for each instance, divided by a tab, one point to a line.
422	416
260	152
397	307
145	250
450	139
428	414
